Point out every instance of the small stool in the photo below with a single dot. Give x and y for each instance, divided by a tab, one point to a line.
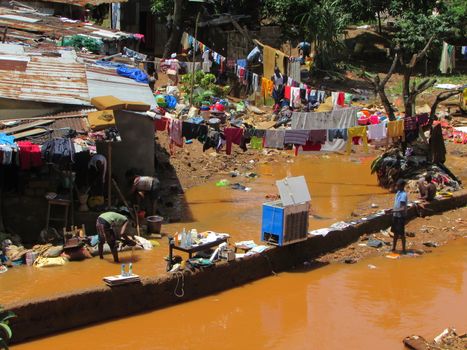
58	202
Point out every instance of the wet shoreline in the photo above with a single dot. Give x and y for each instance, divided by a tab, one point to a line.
100	304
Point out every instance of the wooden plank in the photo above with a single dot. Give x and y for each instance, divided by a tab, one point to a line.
28	126
29	133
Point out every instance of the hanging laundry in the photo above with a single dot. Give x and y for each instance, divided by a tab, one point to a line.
296	137
377	131
161	124
410	123
274	139
256	143
348	99
335	96
29	155
357	131
337	134
308	147
207	66
185	42
295	97
255	82
422	119
232	135
213	140
287	94
175	132
317	136
192	131
294	70
396	128
340	99
266	87
448	58
271	59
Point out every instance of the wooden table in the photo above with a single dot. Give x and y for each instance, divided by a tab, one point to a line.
192	249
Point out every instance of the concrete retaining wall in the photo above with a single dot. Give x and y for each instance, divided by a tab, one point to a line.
84	307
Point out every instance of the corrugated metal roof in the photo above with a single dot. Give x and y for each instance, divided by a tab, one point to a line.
103	82
45	79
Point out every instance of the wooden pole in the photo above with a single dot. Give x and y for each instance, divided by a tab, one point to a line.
193	68
109	172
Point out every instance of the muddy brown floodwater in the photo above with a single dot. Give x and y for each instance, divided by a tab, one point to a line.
334	307
336	183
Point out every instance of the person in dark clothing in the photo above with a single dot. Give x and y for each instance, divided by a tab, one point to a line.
279	86
399	215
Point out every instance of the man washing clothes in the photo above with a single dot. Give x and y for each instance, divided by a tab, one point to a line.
144	187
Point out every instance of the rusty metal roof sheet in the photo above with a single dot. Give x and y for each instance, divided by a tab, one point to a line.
59	80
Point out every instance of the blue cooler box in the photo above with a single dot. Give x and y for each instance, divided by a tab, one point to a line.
286	221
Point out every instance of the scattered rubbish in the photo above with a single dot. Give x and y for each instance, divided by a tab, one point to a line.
238	186
385	233
362	245
374	205
350	261
438	338
222	183
251	175
371	267
375	243
410	234
234	173
431	244
393	256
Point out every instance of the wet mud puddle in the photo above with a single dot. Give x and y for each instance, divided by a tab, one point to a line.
336	184
333	307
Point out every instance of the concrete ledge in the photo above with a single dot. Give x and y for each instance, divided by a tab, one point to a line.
44	317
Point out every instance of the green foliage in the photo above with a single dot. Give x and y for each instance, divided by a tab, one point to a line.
204	86
161	7
5	330
326	24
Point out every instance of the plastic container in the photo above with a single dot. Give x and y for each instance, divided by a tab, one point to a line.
154	224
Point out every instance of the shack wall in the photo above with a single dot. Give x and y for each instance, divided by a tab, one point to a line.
137	148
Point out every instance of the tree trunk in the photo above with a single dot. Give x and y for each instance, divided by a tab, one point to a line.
387	105
380	29
408	103
173	42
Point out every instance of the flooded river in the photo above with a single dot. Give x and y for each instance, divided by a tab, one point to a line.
336	183
333	307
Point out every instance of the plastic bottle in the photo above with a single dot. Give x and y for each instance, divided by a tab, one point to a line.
188	239
183	239
130	269
122	270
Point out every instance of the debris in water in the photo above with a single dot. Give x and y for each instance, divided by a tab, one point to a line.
371	267
431	244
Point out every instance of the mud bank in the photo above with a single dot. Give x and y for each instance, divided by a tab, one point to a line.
46	316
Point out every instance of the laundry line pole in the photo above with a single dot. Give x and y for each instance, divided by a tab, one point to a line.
193	60
109	172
